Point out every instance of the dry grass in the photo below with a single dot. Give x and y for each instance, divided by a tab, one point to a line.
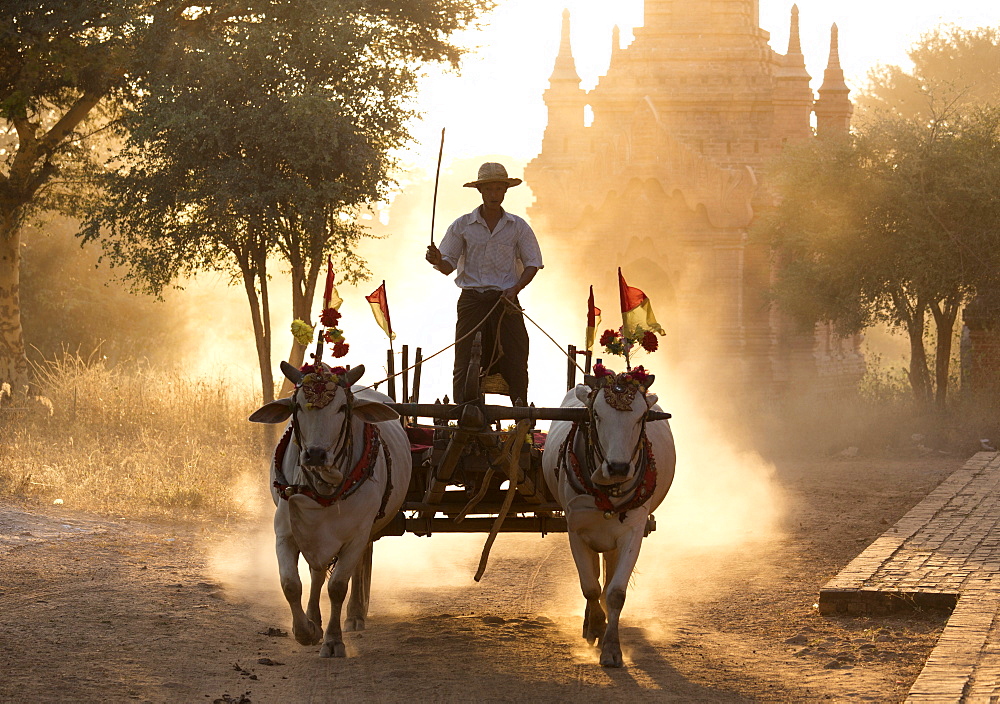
134	441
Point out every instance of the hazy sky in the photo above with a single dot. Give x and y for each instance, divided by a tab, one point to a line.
495	105
494	109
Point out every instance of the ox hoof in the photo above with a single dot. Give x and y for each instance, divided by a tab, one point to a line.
309	635
611	657
594	626
355	623
333	650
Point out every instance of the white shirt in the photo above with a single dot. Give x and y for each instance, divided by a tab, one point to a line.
490	260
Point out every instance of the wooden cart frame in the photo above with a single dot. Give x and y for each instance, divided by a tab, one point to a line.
476	476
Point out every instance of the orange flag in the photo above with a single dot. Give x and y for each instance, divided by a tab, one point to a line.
593	320
380	309
637	313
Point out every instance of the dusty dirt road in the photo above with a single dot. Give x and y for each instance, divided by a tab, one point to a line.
100	609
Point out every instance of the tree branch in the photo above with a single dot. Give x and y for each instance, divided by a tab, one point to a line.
69	122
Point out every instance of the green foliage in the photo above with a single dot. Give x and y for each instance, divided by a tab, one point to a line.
893	223
263	130
249	127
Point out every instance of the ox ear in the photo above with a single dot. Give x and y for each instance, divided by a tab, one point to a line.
583	393
373	411
650	378
291	373
274	412
651	400
353	374
590	381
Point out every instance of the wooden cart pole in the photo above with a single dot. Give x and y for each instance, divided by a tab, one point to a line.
570	367
404	365
391	367
418	360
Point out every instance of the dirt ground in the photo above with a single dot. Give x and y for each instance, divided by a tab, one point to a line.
96	608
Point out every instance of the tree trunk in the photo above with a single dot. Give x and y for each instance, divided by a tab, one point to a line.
944	322
250	274
303	292
13	361
918	373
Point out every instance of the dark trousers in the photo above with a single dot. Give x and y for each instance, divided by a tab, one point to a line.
504	340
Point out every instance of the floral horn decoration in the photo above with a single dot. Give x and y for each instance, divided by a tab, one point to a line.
620	389
302	332
319	384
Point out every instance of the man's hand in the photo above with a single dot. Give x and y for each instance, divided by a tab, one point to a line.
511	293
434	256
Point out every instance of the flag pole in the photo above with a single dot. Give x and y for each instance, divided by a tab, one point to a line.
437	177
625	343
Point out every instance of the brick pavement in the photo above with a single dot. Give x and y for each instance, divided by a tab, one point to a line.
944	553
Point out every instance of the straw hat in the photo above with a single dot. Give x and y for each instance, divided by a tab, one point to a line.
491	172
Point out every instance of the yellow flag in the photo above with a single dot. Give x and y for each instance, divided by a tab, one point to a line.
637	313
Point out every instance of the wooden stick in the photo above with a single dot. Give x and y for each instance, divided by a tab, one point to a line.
417	365
406	375
391	363
437	177
571	367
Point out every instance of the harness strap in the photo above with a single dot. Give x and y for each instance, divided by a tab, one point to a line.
643	490
361	472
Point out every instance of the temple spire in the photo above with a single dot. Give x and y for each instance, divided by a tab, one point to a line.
794	43
565	68
834	107
833	77
794	63
834	62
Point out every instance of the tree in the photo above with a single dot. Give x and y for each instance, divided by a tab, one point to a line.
58	62
951	66
893	224
70	69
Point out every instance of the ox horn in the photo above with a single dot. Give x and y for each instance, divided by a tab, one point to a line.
291	373
354	374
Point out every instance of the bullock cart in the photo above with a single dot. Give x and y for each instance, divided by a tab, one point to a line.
466	473
476	467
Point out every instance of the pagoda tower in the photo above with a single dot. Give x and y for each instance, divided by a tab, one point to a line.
666	180
834	108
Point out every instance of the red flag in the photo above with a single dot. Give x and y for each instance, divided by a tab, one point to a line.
637	313
380	309
331	299
593	320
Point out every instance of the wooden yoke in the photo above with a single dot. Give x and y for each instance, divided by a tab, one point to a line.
493	413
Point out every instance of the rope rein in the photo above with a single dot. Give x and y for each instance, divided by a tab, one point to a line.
495	345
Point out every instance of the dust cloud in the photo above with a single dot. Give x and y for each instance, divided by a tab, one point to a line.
725	496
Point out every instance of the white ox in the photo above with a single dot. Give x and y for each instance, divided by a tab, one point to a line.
609	474
343	476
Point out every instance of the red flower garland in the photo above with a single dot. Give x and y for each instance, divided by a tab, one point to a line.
330	317
649	341
641	376
601	371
